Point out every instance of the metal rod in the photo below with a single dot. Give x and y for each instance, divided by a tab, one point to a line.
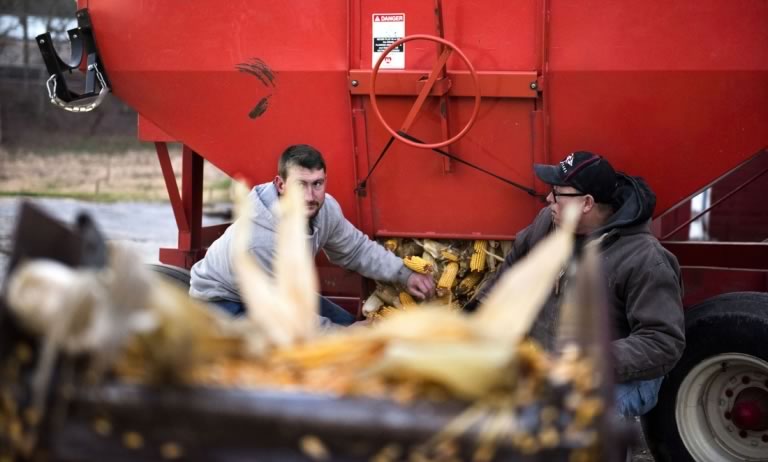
715	204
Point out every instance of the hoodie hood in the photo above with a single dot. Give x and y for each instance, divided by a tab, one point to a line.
634	202
264	198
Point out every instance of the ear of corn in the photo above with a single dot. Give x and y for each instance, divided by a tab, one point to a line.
477	262
388	294
469	283
406	299
387	311
418	264
449	255
448	276
391	244
372	304
473	260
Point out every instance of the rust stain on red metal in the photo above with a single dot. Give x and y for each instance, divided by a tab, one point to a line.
260	108
259	69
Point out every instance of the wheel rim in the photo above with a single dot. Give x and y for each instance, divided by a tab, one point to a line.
704	401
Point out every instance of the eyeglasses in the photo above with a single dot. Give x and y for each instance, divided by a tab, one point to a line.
556	193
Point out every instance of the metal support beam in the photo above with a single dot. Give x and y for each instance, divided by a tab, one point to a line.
187	207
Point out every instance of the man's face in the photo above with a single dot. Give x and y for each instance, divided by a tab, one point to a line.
313	183
559	197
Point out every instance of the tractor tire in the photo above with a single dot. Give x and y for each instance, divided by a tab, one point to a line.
726	352
173	274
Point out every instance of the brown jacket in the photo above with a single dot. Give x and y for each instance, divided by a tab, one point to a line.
642	280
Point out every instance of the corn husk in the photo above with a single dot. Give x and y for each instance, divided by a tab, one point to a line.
283	310
510	309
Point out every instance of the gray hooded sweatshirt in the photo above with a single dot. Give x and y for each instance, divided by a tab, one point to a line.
213	277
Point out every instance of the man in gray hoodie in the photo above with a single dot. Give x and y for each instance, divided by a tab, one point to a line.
642	278
213	278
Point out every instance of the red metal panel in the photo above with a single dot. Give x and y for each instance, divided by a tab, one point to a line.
411	191
494	34
702	283
674	91
147	131
187	207
413	195
742	217
178	69
492	83
726	255
179	213
180	72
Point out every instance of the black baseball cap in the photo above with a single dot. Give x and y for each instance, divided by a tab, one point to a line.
583	170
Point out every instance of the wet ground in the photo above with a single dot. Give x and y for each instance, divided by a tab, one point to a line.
146	226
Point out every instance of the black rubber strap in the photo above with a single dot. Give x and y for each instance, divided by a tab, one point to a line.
360	189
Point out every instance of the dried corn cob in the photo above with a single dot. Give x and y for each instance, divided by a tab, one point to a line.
449	276
387	311
372	304
449	255
406	299
477	263
469	283
418	264
388	294
391	244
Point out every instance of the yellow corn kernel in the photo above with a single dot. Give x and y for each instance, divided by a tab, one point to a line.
448	276
477	263
387	311
469	283
406	299
391	244
417	264
450	256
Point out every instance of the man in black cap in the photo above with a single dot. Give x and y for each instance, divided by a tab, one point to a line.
642	278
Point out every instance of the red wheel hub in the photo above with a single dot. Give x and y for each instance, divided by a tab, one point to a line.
750	411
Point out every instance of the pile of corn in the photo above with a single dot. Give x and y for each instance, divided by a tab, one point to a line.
150	332
459	267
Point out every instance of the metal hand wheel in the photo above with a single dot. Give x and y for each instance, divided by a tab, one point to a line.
448	48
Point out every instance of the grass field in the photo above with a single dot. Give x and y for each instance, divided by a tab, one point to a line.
106	177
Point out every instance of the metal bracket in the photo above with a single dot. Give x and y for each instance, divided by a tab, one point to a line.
83	47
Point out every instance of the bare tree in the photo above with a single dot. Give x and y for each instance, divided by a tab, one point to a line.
8	25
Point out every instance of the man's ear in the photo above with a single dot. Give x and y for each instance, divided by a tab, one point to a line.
279	183
589	203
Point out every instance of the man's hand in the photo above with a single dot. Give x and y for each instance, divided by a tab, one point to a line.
421	286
